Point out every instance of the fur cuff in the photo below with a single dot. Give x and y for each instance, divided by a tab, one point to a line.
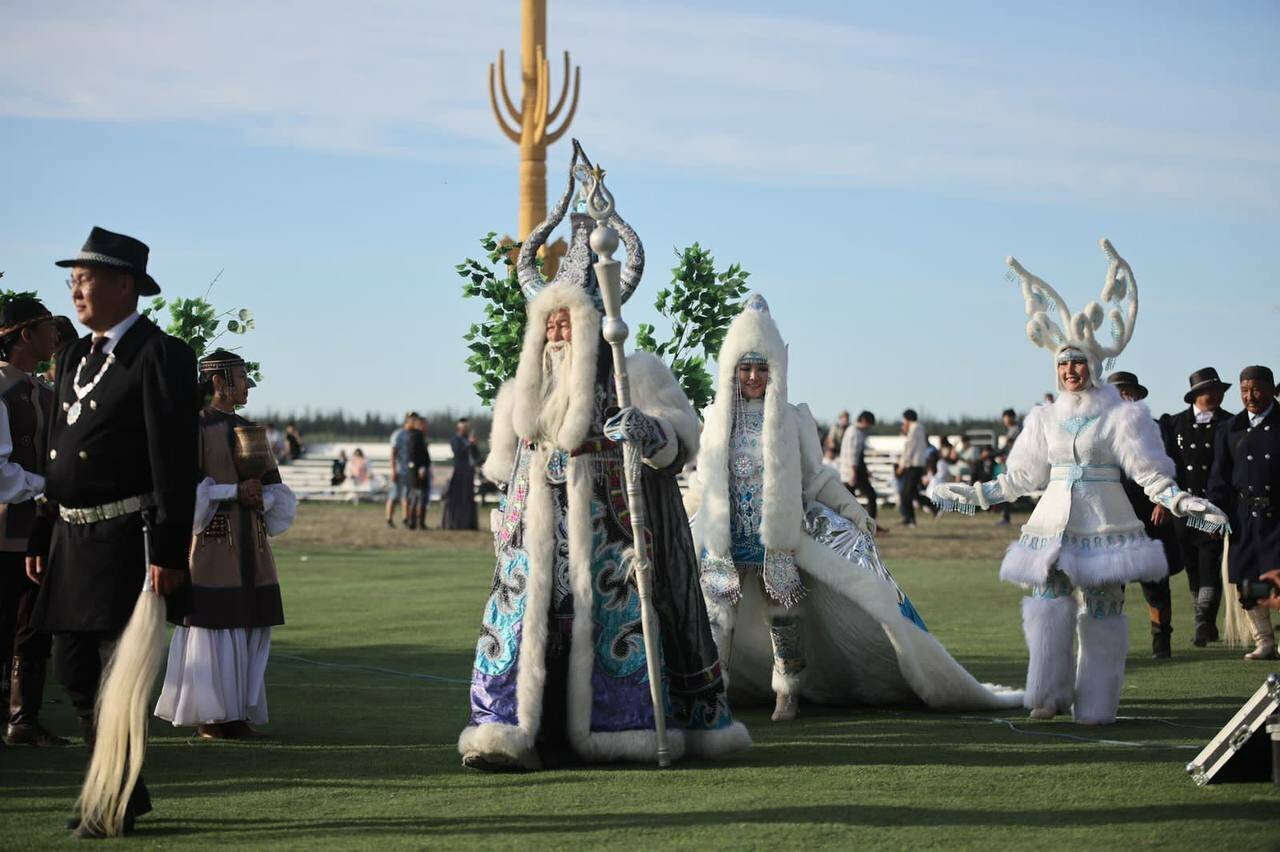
492	739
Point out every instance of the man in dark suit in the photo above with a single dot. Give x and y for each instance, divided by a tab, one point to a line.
1246	484
121	453
1189	439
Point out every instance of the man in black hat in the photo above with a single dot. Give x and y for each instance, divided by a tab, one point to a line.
1159	600
121	454
27	337
1246	484
1189	441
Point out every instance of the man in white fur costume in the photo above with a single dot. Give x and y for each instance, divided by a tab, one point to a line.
1083	541
560	667
799	600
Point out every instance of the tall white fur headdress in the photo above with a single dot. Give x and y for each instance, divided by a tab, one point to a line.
753	334
1116	308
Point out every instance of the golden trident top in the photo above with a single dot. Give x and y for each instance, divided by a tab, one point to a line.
532	122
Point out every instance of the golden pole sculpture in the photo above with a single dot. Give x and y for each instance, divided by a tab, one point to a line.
531	124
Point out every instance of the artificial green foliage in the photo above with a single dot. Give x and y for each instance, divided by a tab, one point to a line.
7	296
700	303
495	342
198	323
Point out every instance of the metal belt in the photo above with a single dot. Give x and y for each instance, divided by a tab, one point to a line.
1085	473
107	511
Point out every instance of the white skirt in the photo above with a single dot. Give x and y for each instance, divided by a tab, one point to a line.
216	676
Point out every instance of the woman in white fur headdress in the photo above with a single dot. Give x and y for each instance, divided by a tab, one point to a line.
799	600
1083	541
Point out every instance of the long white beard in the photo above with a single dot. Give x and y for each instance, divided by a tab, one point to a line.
556	390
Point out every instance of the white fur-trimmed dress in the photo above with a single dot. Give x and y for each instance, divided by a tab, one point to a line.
863	640
1077	450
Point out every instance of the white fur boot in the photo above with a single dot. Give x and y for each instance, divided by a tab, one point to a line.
1049	625
1104	642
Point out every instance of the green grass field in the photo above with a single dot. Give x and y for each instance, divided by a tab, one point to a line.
361	755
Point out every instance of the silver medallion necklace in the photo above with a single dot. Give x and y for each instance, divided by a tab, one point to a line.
81	391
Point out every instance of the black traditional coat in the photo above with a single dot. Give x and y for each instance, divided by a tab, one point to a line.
1142	507
1246	484
135	436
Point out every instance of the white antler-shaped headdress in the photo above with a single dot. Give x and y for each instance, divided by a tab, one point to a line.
1116	308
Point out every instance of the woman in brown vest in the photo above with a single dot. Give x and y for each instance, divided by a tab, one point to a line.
218	655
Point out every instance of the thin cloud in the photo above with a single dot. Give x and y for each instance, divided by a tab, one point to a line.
761	98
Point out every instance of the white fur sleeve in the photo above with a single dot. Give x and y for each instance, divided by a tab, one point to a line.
1027	469
1139	449
502	437
821	483
279	507
208	495
655	391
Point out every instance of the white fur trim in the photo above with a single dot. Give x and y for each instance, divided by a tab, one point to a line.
656	391
539	541
582	647
1104	642
502	437
754	331
1141	560
1049	626
527	393
713	745
785	684
637	746
492	739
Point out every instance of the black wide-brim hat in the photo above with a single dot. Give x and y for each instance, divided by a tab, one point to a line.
1203	381
1121	377
116	251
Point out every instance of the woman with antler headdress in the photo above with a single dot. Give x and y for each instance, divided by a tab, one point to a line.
800	603
1083	541
561	667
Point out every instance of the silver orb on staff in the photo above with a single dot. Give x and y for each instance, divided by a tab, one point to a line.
604	242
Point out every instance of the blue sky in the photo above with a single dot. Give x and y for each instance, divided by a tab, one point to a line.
870	164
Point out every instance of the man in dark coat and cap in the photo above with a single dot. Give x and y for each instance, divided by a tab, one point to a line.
120	469
1189	440
1246	484
27	338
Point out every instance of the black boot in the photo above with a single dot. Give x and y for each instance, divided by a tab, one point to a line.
26	695
1161	630
1207	602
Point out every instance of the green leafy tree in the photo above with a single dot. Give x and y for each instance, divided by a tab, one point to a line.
700	303
495	342
198	323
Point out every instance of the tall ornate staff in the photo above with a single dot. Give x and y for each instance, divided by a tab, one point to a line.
604	242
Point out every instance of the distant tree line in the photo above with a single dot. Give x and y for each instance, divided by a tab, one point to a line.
340	425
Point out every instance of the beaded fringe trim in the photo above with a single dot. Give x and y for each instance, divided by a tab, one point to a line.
955	506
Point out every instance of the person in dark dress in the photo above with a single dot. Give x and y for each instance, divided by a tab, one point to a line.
27	337
1246	482
120	463
460	500
1189	440
1158	528
419	474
